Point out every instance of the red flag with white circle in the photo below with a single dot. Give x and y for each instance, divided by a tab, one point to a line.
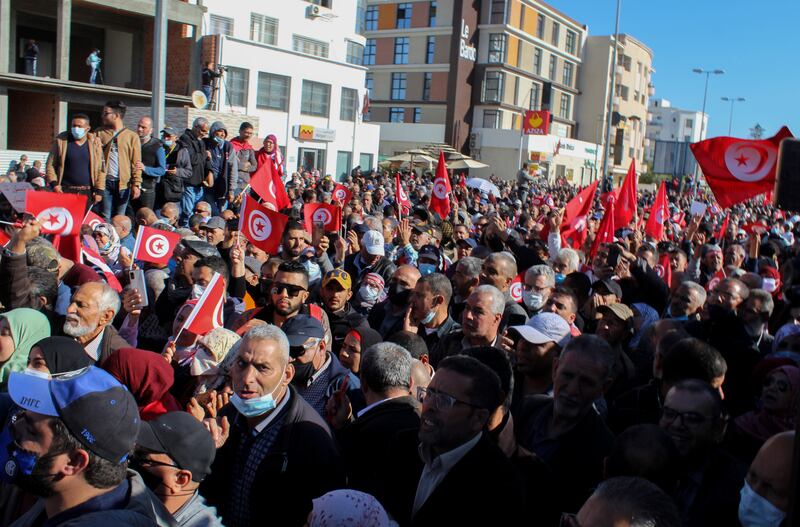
269	187
400	195
57	213
92	220
440	196
207	313
154	245
329	216
515	289
659	214
342	194
261	226
94	260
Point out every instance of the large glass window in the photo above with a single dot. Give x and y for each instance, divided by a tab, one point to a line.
536	93
497	48
273	92
540	26
372	18
349	104
555	34
553	64
430	52
404	15
316	98
397	115
566	73
237	86
537	61
369	82
355	53
427	80
432	15
263	29
343	163
310	46
493	86
563	110
220	25
369	52
491	118
398	86
417	115
401	50
572	42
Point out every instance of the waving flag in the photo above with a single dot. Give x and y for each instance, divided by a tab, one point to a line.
573	224
720	235
207	313
605	233
269	187
440	197
92	220
400	195
154	245
330	216
625	205
515	290
663	268
739	169
262	226
57	213
342	194
95	261
658	214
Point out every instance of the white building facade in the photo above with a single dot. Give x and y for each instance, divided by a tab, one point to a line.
670	131
296	65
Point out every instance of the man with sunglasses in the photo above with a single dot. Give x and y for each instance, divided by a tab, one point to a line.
335	295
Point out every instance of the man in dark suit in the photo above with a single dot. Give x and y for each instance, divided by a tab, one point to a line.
466	479
373	440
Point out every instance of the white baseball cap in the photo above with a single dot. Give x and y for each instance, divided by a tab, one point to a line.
373	243
545	327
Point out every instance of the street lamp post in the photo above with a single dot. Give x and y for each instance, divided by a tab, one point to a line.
707	73
730	118
611	94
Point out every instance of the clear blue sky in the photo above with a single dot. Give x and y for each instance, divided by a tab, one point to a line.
756	43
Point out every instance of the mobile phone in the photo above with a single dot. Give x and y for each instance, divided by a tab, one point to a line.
613	256
137	282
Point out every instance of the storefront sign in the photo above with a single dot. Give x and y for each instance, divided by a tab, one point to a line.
536	122
465	50
306	132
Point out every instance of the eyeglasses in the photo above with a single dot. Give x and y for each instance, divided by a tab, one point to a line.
291	290
439	400
297	351
147	462
670	415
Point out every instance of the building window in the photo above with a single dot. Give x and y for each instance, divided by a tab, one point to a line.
398	86
343	164
563	110
263	29
491	118
689	123
554	35
237	86
493	86
273	92
397	115
361	16
498	12
553	64
369	52
355	53
347	109
220	25
497	48
316	98
536	92
417	115
430	53
401	50
309	46
369	81
404	15
571	44
372	18
566	74
427	80
537	61
432	15
540	26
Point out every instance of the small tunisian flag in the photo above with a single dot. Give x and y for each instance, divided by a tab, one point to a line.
440	197
262	226
625	205
92	220
269	186
94	260
720	234
400	195
154	245
659	213
573	225
663	268
330	216
515	290
739	169
605	233
57	213
207	313
342	193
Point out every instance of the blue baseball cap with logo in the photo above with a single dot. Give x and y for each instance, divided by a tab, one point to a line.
96	408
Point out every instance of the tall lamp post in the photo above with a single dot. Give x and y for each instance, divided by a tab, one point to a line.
610	109
707	73
730	118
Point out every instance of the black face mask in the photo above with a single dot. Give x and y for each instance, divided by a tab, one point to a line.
151	481
398	297
303	373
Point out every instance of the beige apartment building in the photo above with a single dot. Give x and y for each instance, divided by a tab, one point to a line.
629	116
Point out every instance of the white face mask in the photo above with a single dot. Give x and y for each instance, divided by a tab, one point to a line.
769	285
197	291
756	511
533	300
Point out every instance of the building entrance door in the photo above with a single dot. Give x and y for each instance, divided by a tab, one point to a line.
311	158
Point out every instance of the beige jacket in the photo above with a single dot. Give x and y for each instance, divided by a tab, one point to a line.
54	171
129	147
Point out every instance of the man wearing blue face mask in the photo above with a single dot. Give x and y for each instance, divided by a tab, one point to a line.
767	492
429	310
223	165
269	440
75	163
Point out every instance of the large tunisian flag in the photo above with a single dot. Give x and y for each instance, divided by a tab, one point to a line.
440	197
267	183
57	213
659	213
573	225
605	233
625	205
738	169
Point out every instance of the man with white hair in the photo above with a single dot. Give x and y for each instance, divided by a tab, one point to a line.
565	262
269	440
539	283
89	316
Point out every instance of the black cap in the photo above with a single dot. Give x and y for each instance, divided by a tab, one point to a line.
611	286
183	438
361	228
200	248
300	328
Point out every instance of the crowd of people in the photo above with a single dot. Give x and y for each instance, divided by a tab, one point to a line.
406	369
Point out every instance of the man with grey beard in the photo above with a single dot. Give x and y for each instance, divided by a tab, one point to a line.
89	316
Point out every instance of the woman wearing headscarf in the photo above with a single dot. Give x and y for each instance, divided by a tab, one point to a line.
108	243
644	316
148	377
20	329
270	151
205	365
347	508
54	355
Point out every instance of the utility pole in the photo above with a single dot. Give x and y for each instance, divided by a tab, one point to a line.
730	118
707	73
159	87
611	95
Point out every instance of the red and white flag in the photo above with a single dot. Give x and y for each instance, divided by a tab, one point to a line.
659	213
515	290
207	313
330	216
269	187
154	245
739	169
92	220
723	230
625	205
262	226
401	196
342	194
605	233
663	268
576	213
440	197
57	213
94	260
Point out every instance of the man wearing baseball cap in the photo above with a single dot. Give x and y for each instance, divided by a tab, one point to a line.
541	340
173	455
213	230
370	259
70	444
616	327
335	295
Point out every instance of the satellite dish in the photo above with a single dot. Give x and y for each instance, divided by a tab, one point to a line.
199	99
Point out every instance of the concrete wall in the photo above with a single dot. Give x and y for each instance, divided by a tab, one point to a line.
181	118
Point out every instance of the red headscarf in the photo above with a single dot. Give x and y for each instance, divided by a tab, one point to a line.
275	156
148	377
